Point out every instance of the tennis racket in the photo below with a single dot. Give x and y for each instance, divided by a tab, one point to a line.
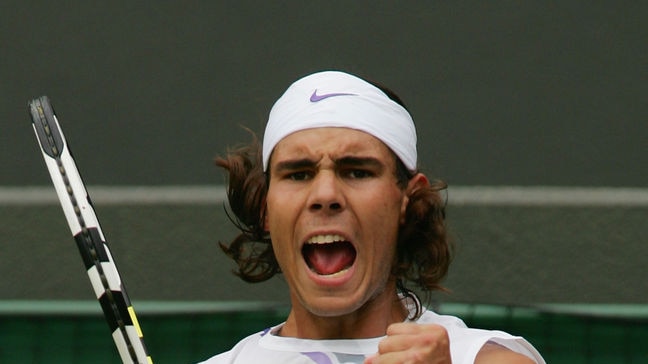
83	223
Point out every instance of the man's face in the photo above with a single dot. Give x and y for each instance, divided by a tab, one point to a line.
333	213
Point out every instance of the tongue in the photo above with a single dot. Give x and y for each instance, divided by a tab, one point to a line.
329	258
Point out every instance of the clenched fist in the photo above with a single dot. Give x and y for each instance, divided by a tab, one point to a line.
410	343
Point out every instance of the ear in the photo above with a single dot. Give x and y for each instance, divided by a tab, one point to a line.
415	183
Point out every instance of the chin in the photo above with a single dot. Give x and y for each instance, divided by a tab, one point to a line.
332	306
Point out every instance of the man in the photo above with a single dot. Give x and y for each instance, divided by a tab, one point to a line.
334	201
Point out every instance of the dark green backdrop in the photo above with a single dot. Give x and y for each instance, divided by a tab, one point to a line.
506	92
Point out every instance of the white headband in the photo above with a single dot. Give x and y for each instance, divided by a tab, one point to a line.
338	99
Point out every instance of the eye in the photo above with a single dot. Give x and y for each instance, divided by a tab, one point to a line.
358	174
298	176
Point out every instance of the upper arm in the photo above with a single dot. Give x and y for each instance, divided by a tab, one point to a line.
492	353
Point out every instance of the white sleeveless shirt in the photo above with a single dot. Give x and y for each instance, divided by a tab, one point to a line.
267	347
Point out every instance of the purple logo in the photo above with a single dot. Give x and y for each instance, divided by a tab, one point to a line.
316	98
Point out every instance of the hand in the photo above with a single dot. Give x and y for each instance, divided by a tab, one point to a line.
412	343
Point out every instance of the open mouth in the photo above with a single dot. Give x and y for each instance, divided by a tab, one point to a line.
328	254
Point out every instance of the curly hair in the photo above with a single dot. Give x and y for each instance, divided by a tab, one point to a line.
246	193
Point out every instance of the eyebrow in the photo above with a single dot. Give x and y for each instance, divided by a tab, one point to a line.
359	162
290	165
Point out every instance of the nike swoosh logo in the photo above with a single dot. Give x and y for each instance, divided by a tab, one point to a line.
316	98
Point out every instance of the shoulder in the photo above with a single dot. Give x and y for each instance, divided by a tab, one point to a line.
496	354
469	344
245	347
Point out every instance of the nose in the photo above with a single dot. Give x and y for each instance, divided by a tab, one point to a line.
326	193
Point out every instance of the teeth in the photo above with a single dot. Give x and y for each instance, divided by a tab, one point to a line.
323	239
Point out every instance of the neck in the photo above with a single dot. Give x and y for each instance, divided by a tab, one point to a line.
371	320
